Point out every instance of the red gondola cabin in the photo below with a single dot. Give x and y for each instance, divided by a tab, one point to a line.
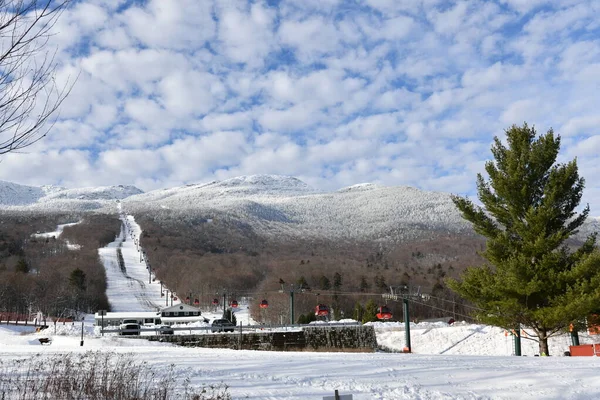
234	304
264	304
196	302
384	313
321	310
215	302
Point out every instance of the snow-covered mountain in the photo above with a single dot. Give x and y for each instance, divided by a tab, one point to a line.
56	198
281	205
272	205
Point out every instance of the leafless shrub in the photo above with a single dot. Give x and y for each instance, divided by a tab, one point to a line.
97	376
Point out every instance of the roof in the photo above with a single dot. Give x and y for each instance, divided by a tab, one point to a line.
130	314
180	307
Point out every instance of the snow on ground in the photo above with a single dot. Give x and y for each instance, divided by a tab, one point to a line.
56	233
295	375
132	289
462	361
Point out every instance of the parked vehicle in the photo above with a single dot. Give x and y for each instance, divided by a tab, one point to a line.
165	330
222	325
129	329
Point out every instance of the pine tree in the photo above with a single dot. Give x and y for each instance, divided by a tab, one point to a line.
22	266
358	311
364	285
77	279
230	316
370	313
531	276
337	281
302	284
324	283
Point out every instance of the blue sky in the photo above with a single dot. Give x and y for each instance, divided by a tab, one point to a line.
333	92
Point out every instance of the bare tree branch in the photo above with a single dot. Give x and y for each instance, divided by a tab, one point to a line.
29	94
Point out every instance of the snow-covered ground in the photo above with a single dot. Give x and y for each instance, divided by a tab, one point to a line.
462	361
132	289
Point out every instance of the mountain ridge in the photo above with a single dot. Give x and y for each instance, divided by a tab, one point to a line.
272	205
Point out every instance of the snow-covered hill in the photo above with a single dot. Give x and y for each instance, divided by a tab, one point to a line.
55	198
271	205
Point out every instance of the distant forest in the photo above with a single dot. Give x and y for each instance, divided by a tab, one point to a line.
43	273
203	259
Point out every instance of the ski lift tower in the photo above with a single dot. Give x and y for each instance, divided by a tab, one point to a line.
404	293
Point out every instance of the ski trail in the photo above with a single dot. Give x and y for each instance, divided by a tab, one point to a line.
129	282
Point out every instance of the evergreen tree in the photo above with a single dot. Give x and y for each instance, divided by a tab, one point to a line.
358	311
337	312
531	276
324	283
337	281
77	279
370	314
302	284
22	266
364	285
230	316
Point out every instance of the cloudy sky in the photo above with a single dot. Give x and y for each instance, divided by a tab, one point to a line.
334	92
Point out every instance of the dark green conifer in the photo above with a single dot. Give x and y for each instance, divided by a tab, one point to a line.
531	277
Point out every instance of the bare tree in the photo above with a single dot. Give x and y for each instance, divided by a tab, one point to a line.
29	94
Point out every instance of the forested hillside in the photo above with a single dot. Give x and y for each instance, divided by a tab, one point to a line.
248	236
57	275
204	259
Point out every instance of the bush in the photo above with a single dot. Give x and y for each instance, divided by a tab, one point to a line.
96	376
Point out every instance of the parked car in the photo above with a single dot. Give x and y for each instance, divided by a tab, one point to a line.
222	325
129	329
165	330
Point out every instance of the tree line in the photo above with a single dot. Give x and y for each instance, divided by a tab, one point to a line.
60	276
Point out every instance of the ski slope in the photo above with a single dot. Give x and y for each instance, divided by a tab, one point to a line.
132	288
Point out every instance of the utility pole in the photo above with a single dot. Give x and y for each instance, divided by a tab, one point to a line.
292	319
406	325
224	296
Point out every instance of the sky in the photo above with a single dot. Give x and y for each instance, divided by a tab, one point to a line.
336	93
460	361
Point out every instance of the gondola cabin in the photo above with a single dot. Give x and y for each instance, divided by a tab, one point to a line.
321	310
264	304
196	302
234	304
215	302
384	313
187	300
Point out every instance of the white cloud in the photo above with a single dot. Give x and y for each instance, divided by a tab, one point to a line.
335	92
247	36
175	24
188	93
310	38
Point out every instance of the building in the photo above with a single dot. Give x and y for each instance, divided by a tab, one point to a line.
181	314
116	318
176	314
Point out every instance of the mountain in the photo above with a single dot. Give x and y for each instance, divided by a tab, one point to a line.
271	205
56	198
